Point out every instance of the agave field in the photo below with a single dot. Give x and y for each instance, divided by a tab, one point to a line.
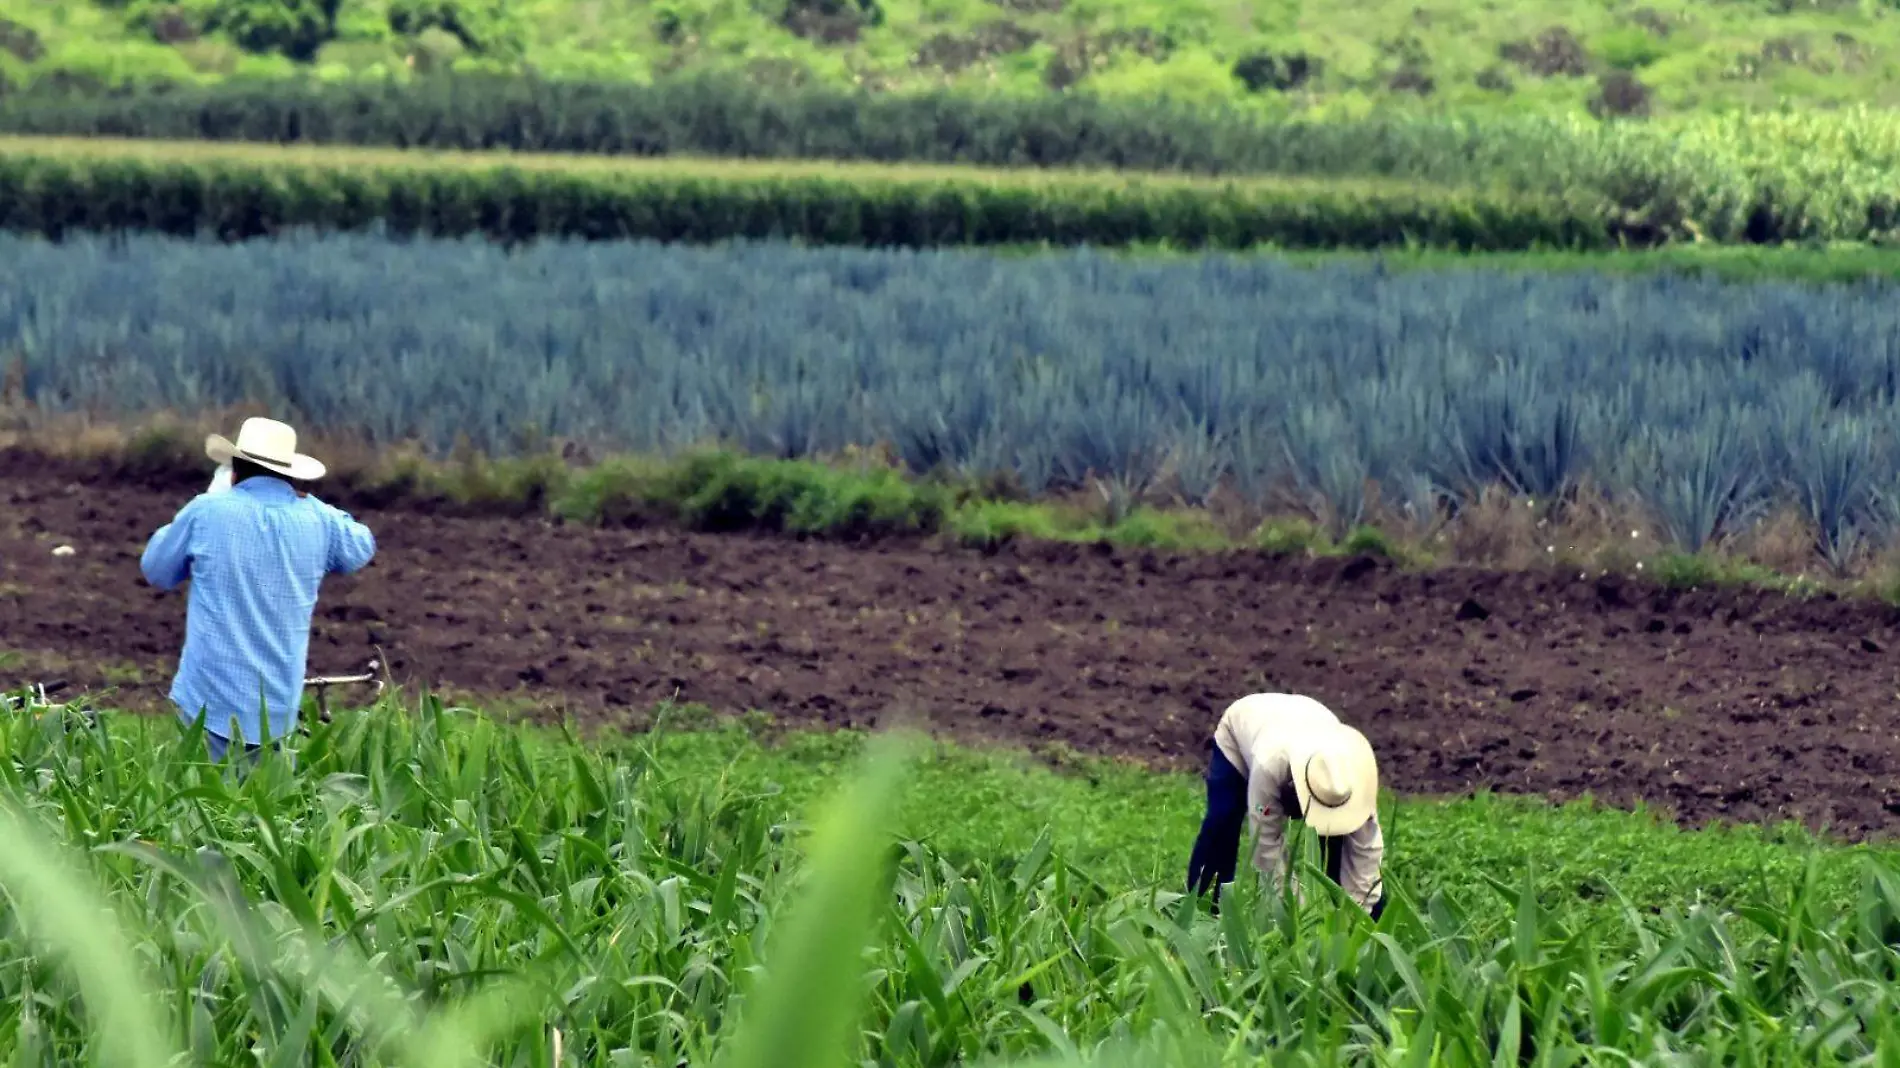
1707	403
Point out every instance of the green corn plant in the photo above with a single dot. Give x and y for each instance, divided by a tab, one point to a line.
431	887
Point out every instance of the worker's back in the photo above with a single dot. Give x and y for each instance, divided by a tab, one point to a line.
256	556
1261	718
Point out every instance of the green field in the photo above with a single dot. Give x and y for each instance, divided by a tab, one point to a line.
1338	59
237	190
437	885
1804	196
431	880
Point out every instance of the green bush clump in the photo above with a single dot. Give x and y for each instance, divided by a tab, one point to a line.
293	28
299	29
725	492
484	27
237	192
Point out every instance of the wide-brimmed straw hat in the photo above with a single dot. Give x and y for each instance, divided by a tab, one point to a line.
270	445
1336	777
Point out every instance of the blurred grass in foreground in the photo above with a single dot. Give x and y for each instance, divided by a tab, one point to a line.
436	888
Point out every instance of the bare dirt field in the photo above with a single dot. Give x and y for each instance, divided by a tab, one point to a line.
1717	704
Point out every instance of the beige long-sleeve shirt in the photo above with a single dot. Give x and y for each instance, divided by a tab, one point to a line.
1252	735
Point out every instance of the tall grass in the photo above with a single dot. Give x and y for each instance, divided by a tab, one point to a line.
433	888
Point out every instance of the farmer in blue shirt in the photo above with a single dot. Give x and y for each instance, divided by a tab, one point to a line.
255	554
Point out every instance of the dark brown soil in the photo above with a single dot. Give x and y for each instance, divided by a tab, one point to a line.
1732	704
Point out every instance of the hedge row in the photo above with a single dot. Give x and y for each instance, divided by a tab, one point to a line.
241	191
1757	177
697	115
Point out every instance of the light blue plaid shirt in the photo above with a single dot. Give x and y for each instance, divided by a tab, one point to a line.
255	555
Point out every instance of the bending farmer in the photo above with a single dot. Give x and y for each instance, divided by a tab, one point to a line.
255	555
1282	756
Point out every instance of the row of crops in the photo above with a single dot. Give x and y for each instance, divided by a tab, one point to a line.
240	191
1708	402
1733	178
550	905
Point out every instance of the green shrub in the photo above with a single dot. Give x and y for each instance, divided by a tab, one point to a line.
20	42
484	27
1150	529
1629	48
238	192
725	492
1370	541
1264	71
1289	537
293	28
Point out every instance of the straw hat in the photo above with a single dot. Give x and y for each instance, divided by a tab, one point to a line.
270	445
1336	777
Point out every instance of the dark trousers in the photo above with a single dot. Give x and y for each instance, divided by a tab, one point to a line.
1217	849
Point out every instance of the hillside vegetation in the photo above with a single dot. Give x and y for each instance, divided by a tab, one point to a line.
1351	57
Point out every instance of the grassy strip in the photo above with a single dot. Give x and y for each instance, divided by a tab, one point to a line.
865	499
1824	264
626	891
1841	263
55	186
724	492
718	491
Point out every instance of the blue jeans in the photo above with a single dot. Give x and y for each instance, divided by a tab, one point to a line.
1217	849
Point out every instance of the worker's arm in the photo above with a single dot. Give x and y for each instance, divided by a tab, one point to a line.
1360	874
1269	825
351	543
166	561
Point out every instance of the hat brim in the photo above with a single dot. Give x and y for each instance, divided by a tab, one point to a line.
300	467
1362	775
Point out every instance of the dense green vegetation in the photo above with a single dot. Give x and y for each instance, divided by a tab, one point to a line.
423	881
1347	58
1746	178
54	187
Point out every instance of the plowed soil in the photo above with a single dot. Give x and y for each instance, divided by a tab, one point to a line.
1716	704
